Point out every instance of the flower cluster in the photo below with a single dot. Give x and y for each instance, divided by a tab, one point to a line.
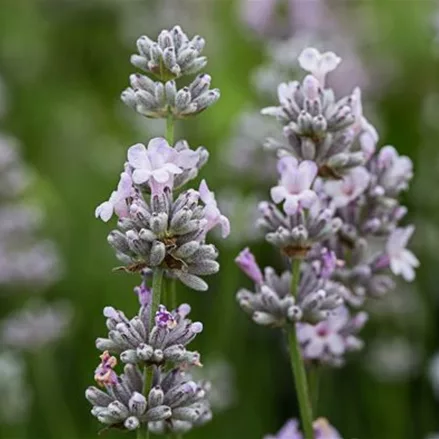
165	342
164	232
175	403
335	214
161	234
171	57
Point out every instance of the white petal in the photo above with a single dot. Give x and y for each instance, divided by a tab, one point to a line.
137	156
335	344
104	211
407	272
291	204
309	59
225	226
305	332
157	145
329	62
307	198
314	348
205	194
187	159
141	176
278	193
410	258
160	175
307	173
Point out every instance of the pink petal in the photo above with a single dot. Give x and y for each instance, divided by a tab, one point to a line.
311	87
329	62
307	173
171	168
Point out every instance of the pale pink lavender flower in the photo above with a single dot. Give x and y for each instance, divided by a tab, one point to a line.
402	261
247	263
353	184
396	170
159	163
333	337
294	186
318	64
118	200
212	212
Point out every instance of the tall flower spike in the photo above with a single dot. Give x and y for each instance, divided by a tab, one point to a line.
159	233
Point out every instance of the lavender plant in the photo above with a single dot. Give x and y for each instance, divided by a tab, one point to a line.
335	217
161	234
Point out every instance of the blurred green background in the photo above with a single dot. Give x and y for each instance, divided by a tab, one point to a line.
64	64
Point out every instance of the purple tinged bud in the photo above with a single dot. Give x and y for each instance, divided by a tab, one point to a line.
144	294
184	309
110	313
164	318
247	263
197	327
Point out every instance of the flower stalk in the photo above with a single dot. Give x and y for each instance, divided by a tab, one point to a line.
298	365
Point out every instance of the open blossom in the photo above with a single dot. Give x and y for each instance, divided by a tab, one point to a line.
157	164
247	263
294	185
402	261
118	200
318	64
330	339
353	185
396	170
366	132
289	431
212	213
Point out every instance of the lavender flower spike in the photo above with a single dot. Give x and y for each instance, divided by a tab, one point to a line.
247	263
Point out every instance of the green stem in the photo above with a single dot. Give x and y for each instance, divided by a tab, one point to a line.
314	381
170	129
298	366
142	433
157	281
173	293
